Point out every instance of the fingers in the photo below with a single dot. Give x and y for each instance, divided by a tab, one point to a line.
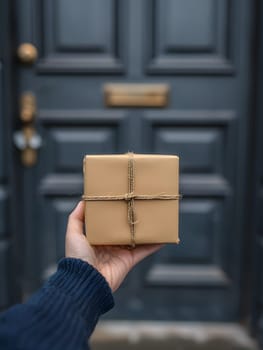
76	220
143	251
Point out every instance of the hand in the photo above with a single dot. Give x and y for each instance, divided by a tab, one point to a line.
113	262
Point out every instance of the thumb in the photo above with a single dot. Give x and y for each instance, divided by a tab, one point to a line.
76	220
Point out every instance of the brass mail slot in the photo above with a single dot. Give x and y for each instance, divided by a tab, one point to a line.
136	95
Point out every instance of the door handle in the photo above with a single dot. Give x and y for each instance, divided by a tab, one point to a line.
28	107
27	140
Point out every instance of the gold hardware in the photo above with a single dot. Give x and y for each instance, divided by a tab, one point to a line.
27	107
136	95
29	154
27	53
27	140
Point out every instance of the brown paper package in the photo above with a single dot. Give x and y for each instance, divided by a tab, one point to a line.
156	220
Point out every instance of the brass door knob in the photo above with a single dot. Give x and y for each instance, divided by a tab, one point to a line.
27	53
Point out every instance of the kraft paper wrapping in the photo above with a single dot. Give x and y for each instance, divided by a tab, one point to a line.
106	221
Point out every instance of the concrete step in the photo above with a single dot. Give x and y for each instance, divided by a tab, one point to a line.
119	335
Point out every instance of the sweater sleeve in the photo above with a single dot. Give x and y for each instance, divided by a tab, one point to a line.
62	314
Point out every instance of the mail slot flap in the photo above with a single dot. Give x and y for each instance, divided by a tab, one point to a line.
136	95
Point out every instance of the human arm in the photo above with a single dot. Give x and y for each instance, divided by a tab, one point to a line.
64	312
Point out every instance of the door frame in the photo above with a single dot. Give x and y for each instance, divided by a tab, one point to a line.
15	259
253	281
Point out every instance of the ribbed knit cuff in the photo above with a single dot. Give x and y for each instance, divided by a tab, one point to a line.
87	287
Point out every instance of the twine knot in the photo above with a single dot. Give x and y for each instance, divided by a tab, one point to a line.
129	196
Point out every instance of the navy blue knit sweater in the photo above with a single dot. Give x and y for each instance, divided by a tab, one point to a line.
62	314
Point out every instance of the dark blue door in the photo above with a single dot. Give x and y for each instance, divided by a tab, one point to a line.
201	51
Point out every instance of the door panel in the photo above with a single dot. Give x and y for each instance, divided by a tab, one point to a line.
80	36
201	50
191	38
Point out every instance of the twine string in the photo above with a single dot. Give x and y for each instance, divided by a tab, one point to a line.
130	197
127	197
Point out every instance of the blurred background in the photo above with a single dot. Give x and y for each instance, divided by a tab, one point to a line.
150	76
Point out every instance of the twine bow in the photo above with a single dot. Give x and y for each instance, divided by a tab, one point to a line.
130	197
